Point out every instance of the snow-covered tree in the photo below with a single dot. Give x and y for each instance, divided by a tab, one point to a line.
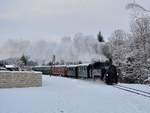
140	36
140	29
118	41
131	51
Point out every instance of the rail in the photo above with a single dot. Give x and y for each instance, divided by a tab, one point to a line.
133	90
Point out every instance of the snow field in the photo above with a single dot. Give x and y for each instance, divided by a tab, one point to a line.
66	95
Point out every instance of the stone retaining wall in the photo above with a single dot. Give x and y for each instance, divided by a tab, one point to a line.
11	79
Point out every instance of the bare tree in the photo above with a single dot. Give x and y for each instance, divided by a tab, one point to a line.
136	6
118	37
137	9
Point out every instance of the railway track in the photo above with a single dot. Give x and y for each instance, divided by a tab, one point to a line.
133	90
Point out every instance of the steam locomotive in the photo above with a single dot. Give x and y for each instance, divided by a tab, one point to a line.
103	70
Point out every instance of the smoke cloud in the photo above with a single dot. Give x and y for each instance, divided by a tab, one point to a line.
69	49
13	48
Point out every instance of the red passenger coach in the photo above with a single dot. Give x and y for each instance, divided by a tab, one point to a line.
60	70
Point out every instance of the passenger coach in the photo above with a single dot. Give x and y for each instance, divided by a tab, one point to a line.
59	70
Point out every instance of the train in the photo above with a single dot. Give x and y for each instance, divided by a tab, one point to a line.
85	71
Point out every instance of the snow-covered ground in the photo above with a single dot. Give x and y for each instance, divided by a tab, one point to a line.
65	95
140	87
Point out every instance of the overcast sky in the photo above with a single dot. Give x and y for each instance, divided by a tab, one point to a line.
51	19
